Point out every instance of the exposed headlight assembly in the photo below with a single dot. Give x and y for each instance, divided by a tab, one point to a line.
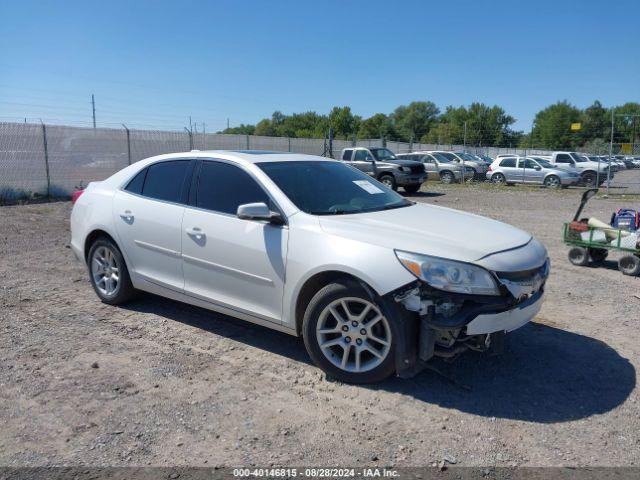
449	275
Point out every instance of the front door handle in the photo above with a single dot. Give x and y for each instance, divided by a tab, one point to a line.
196	232
127	216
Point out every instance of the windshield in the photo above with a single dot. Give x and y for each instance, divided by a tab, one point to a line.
466	157
441	158
448	155
331	188
382	154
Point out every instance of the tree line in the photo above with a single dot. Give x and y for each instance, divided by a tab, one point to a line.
477	124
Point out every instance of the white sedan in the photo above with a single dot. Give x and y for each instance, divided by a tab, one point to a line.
376	284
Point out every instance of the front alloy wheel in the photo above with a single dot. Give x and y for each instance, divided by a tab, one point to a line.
347	335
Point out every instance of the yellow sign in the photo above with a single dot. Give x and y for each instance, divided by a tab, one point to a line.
625	148
576	126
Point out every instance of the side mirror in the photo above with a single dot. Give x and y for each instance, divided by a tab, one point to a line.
260	212
538	167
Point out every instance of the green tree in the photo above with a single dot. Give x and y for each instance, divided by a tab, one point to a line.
376	126
552	126
413	121
595	122
242	129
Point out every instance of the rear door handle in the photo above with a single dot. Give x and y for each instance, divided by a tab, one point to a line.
127	215
195	232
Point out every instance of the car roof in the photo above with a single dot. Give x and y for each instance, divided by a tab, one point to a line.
241	156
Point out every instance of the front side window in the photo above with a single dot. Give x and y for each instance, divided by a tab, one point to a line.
440	157
563	158
450	156
223	188
164	180
527	163
331	188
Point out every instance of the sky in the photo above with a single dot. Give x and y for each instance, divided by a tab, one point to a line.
154	64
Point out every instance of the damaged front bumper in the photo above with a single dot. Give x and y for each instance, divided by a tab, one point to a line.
435	323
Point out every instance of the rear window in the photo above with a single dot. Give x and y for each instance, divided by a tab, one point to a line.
508	162
164	180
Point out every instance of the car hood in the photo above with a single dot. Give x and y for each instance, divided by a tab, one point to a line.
401	162
430	230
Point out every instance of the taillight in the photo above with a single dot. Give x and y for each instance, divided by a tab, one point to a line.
76	196
490	169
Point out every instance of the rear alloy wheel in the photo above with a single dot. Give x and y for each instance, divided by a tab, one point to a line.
579	256
347	335
552	181
108	272
412	188
447	177
629	265
388	181
498	179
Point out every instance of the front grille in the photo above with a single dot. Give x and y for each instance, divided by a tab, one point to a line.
417	169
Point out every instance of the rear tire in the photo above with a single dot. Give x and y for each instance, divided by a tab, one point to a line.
412	188
108	272
629	265
369	356
579	256
389	181
498	179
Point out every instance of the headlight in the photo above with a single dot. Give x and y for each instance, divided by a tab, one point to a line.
449	275
405	169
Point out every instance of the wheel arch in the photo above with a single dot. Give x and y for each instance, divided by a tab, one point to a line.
315	283
93	236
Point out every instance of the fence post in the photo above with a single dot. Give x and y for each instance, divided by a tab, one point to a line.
331	142
289	139
247	138
128	144
46	159
190	133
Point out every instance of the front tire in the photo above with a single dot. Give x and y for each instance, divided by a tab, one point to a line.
447	177
553	181
579	256
108	272
347	336
389	181
629	265
412	188
589	179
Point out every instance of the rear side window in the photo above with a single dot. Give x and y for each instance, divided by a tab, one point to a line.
135	185
223	188
346	155
164	180
508	162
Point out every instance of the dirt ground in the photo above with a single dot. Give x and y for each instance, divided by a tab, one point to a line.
161	383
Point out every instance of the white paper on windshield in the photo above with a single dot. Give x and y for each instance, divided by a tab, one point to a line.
368	186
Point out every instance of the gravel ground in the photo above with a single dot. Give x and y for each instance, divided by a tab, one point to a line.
161	383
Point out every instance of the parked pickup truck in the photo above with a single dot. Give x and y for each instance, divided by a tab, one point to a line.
382	164
589	171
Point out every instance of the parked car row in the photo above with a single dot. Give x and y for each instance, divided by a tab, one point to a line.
558	170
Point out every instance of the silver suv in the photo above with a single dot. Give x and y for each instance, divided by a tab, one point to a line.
531	170
382	164
439	167
466	159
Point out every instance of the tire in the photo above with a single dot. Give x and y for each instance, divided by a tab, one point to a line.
447	177
389	181
553	181
579	256
412	188
598	255
589	179
108	272
345	334
498	178
629	265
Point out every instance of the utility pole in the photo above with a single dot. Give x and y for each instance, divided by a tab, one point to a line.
190	124
227	123
93	107
610	152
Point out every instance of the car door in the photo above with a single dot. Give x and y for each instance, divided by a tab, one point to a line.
228	261
509	167
532	171
431	167
364	161
148	217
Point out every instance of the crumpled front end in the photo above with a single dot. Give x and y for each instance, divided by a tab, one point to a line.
450	323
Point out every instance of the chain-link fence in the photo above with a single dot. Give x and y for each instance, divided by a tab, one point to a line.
52	160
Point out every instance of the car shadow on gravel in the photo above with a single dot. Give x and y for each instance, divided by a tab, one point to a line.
546	375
